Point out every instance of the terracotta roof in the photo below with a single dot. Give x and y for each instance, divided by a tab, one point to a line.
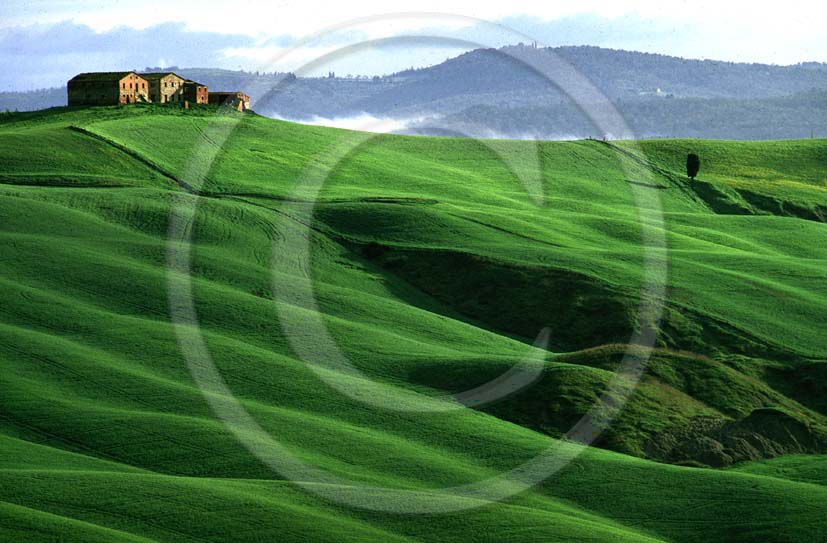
101	76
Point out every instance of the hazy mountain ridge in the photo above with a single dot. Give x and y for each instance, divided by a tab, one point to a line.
801	115
626	74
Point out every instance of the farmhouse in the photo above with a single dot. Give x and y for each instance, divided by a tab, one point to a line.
237	100
107	88
114	88
165	87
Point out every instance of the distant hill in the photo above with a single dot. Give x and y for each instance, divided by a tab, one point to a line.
32	100
493	78
486	92
801	115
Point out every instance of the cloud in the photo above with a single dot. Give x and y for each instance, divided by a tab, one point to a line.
625	32
37	56
44	55
47	55
434	125
363	121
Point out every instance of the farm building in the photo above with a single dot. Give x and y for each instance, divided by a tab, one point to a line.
238	100
196	93
165	87
112	88
107	88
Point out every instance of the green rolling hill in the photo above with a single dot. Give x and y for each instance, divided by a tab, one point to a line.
434	263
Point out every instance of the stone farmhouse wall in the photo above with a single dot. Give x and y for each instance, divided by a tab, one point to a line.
107	89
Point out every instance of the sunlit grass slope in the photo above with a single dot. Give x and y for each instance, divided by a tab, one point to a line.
807	469
433	267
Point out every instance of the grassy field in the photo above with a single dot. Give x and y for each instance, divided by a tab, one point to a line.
433	268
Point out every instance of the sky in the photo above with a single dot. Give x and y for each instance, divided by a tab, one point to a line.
43	43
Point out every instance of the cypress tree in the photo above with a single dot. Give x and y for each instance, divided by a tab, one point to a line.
693	165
